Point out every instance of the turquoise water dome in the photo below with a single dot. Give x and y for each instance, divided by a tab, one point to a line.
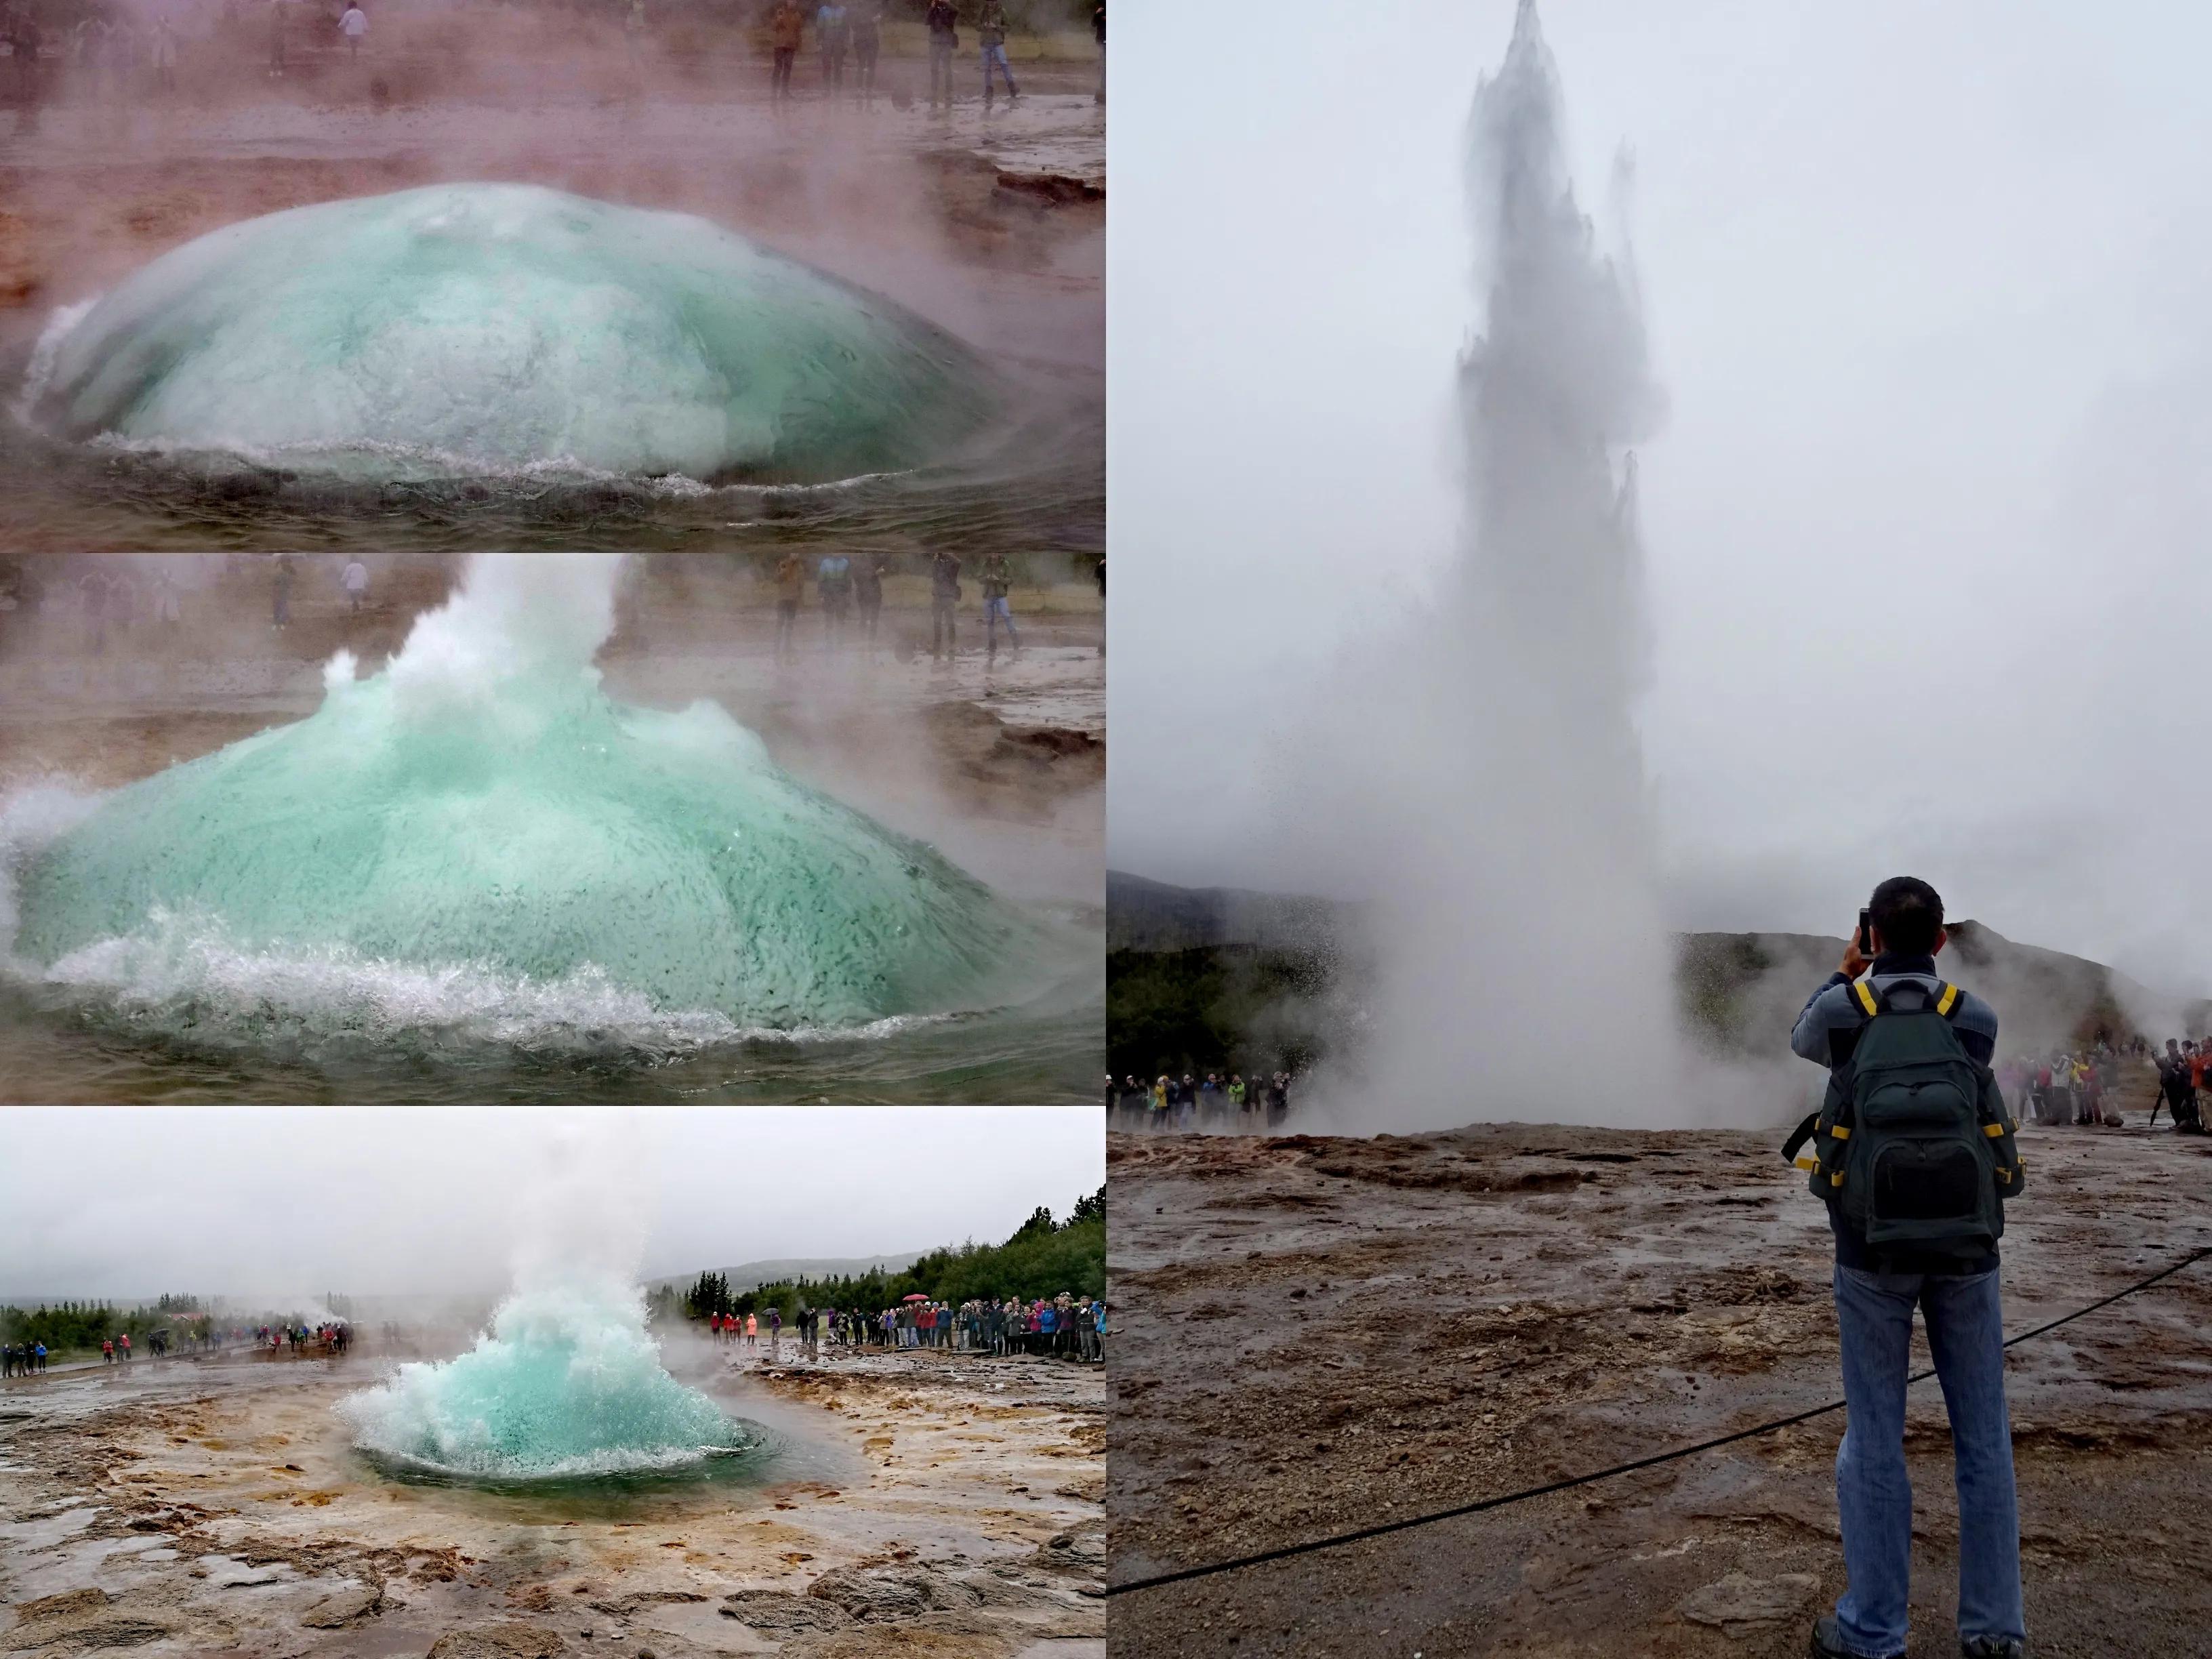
494	329
566	1383
479	838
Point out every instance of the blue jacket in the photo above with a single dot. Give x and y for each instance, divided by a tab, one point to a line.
1828	1030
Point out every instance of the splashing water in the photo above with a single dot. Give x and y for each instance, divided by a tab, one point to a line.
506	329
1522	962
479	839
567	1382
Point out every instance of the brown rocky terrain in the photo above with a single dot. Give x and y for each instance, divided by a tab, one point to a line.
1318	1335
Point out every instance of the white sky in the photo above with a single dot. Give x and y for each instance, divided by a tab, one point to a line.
134	1201
1928	523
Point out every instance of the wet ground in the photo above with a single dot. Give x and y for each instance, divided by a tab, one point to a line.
914	1504
1318	1335
999	761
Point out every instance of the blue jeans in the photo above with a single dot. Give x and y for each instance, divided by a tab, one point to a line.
1874	1493
996	53
994	612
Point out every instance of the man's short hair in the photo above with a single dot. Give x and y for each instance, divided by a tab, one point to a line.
1908	914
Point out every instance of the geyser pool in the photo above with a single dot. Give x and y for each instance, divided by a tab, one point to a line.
498	328
478	841
566	1383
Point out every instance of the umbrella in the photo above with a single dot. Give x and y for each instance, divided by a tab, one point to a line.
915	1297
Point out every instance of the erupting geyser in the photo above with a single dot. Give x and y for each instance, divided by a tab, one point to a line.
479	839
567	1382
474	328
1483	770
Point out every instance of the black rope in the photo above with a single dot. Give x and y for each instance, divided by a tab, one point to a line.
1285	1551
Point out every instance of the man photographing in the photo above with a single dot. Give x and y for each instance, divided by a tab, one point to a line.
1913	1153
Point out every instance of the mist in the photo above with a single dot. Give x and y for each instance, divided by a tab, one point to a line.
291	1205
1920	522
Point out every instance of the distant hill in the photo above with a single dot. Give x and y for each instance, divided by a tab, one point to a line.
749	1275
1152	915
1206	978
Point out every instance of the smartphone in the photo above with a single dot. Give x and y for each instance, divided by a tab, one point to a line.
1866	933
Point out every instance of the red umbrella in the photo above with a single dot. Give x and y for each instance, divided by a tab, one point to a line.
916	1297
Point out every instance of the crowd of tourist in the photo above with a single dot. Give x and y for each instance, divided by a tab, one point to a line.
1064	1327
2082	1085
29	1358
848	592
100	50
1210	1102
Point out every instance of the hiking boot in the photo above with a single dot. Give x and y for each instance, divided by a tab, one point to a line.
1992	1646
1828	1642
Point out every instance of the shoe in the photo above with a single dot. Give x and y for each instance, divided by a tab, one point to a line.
1992	1646
1829	1643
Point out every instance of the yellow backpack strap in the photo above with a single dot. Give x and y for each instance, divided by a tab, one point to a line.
1947	1000
1864	993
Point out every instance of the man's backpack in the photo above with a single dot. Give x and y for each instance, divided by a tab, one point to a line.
1913	1141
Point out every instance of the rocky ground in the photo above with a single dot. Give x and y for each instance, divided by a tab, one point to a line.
1317	1335
926	1504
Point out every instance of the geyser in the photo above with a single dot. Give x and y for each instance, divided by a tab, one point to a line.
479	328
566	1382
1480	767
478	841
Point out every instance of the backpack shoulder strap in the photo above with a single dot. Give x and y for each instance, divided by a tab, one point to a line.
1949	999
1862	994
1798	1137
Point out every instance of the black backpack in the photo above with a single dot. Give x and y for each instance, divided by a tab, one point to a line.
1913	1141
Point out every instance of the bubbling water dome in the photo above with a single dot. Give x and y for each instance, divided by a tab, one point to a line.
479	840
566	1383
495	328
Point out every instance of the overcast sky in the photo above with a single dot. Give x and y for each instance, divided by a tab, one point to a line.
1926	522
135	1201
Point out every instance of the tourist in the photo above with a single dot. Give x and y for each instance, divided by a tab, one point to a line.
353	24
834	36
868	25
1951	1275
286	572
2177	1090
868	594
165	54
355	583
943	600
833	581
107	1350
790	588
787	27
991	30
752	1330
25	41
997	576
943	22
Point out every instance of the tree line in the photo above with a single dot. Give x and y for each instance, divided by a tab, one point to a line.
1043	1257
